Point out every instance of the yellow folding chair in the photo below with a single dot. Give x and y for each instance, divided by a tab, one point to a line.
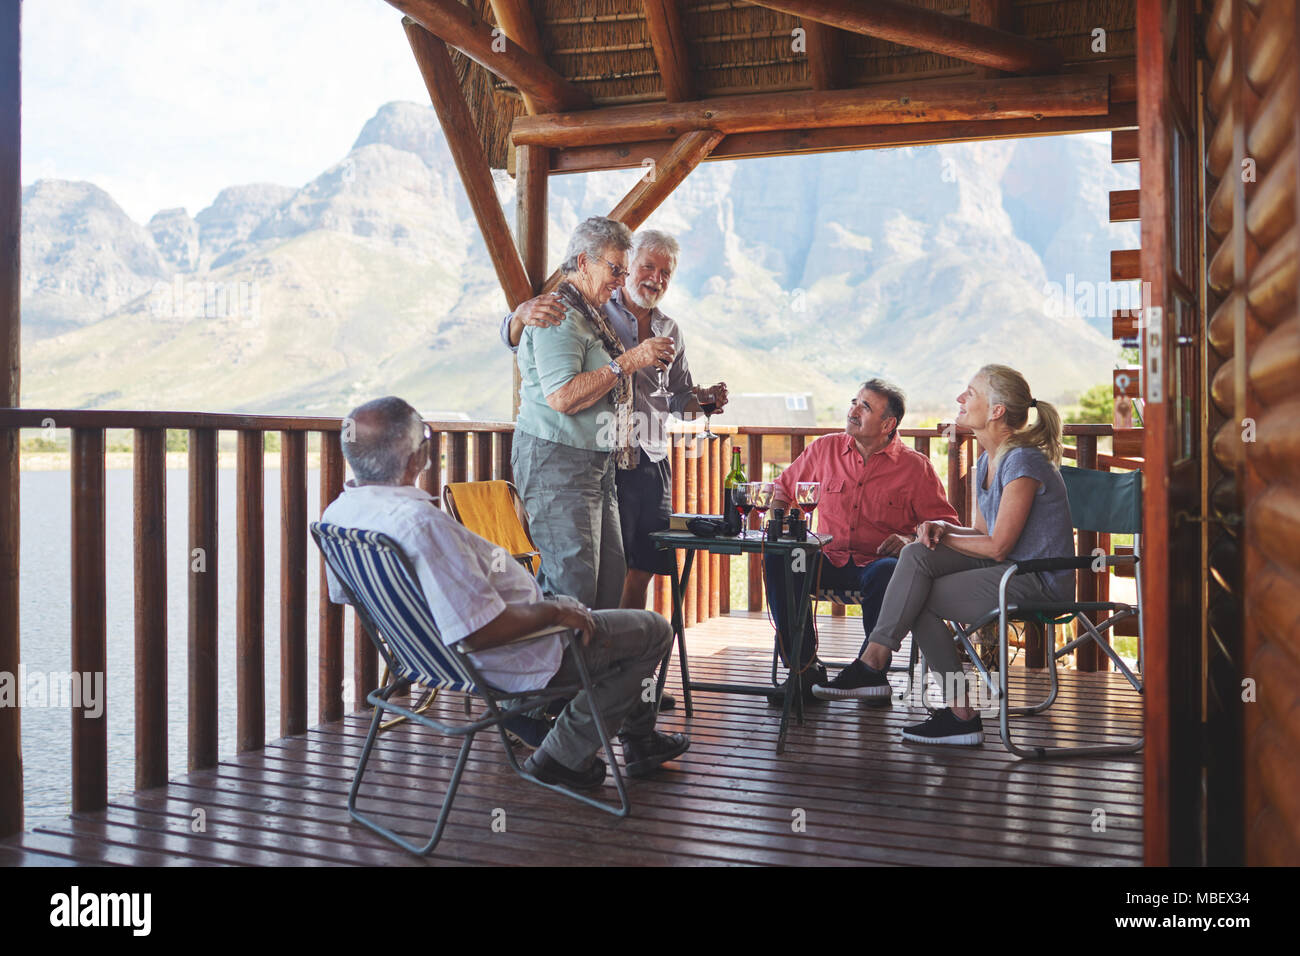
494	510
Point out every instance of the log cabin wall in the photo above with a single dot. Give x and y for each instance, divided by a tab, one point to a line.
1252	494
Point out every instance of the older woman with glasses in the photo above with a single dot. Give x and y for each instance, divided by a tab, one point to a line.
575	420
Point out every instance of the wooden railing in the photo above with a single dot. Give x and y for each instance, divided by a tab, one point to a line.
461	451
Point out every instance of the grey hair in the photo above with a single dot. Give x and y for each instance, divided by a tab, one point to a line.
655	241
894	398
380	437
595	237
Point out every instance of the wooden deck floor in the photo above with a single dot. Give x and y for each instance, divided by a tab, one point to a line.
863	797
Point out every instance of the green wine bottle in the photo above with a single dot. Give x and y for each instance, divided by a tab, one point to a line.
734	478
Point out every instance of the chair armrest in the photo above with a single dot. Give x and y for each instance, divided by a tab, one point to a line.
1079	562
522	638
1053	564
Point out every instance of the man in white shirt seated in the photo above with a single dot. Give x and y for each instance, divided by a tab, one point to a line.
483	599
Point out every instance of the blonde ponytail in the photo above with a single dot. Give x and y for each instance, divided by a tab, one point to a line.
1008	388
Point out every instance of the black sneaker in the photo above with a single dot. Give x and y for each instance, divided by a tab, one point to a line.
549	770
855	682
814	675
944	727
641	755
667	702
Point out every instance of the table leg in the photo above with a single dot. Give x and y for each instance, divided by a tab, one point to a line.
679	633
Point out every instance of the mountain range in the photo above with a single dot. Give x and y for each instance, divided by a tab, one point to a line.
798	274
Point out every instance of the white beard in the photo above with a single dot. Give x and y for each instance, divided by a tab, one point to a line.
642	300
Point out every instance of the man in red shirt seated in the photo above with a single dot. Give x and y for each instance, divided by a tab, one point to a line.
874	492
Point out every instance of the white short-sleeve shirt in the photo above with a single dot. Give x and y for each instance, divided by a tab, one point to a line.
467	580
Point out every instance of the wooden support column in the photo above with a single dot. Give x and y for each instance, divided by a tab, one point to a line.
663	20
150	517
89	618
686	153
434	60
11	750
455	23
293	583
532	173
910	25
201	566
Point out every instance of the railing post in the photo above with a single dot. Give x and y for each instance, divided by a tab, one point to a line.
89	618
501	461
693	506
754	472
150	515
711	498
250	664
329	704
293	583
457	457
1088	656
431	477
201	560
482	456
959	477
365	665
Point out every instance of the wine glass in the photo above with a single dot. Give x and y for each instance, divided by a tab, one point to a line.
708	404
807	494
661	371
760	493
740	499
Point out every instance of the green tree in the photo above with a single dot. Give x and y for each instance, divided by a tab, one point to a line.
178	439
1096	406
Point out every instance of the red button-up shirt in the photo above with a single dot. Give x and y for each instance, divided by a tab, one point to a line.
863	503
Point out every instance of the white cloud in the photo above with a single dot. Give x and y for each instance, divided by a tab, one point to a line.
164	104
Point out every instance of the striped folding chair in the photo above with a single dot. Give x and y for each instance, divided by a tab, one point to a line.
384	590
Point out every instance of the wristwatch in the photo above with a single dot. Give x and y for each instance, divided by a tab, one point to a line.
614	367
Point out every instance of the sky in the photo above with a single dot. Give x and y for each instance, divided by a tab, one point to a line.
163	103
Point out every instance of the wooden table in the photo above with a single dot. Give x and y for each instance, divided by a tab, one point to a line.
799	604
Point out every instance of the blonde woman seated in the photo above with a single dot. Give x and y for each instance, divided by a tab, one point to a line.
952	573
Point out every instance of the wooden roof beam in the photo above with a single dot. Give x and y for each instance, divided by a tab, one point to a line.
434	59
585	159
664	20
515	18
929	30
885	104
825	52
459	27
651	190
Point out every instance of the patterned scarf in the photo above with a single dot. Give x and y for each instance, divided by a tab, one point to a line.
627	454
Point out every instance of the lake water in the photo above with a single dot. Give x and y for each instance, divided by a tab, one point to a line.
46	564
